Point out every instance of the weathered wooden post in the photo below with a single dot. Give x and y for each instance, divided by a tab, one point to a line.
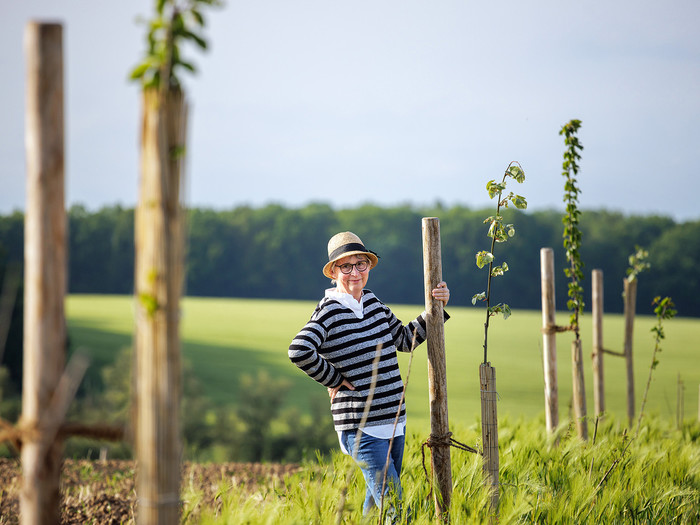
489	431
549	340
579	389
159	276
437	369
680	405
45	272
597	311
630	307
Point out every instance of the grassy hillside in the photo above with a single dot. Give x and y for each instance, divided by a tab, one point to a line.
227	338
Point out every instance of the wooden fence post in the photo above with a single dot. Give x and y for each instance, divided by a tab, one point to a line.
549	340
159	275
579	389
597	312
630	306
489	431
45	273
437	369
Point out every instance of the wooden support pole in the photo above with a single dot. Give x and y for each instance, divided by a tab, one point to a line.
630	306
680	405
437	369
159	276
598	376
45	272
549	341
489	431
579	389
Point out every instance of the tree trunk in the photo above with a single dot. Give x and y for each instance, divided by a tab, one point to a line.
159	277
45	274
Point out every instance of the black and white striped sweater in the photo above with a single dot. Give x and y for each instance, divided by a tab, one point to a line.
335	345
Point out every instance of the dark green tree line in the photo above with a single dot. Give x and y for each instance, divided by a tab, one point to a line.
277	252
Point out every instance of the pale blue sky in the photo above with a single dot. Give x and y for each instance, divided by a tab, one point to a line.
391	102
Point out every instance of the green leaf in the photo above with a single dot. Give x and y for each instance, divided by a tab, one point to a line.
497	271
519	202
139	71
494	188
483	258
506	312
197	39
478	297
198	17
517	173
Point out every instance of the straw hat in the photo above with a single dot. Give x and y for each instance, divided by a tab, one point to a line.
344	244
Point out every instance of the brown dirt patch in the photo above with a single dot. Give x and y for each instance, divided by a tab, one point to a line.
104	491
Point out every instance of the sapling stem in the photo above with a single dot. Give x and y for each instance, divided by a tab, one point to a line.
665	309
498	233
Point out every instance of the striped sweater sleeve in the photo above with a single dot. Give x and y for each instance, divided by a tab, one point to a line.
304	353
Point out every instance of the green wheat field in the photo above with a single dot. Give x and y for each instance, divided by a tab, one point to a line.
615	477
224	339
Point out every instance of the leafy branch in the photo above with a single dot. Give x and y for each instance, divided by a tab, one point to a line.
499	232
175	22
572	233
664	309
637	263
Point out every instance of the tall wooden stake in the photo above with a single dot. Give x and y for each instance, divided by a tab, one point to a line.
489	430
159	276
45	273
579	389
598	377
437	369
630	306
549	341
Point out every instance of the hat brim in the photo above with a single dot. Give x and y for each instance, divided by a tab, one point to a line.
373	259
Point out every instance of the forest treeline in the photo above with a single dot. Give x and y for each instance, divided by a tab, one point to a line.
277	252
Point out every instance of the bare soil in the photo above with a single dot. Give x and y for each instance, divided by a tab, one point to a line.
104	491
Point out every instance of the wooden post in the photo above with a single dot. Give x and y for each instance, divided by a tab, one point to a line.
45	273
598	377
159	276
630	306
680	405
579	389
489	430
437	369
549	341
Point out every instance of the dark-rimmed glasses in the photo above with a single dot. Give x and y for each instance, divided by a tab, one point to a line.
347	267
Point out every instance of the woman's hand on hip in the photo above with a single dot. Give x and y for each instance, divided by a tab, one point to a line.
332	392
442	293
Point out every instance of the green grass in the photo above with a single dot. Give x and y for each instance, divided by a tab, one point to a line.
543	479
224	339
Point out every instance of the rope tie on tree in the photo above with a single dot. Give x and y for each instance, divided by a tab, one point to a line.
446	440
554	329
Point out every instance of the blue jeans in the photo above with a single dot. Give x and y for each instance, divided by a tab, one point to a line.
371	457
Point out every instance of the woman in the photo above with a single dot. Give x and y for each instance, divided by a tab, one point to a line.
337	348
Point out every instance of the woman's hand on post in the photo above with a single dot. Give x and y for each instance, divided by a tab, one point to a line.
442	293
332	392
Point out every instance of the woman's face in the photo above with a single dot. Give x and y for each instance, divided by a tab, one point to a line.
352	282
